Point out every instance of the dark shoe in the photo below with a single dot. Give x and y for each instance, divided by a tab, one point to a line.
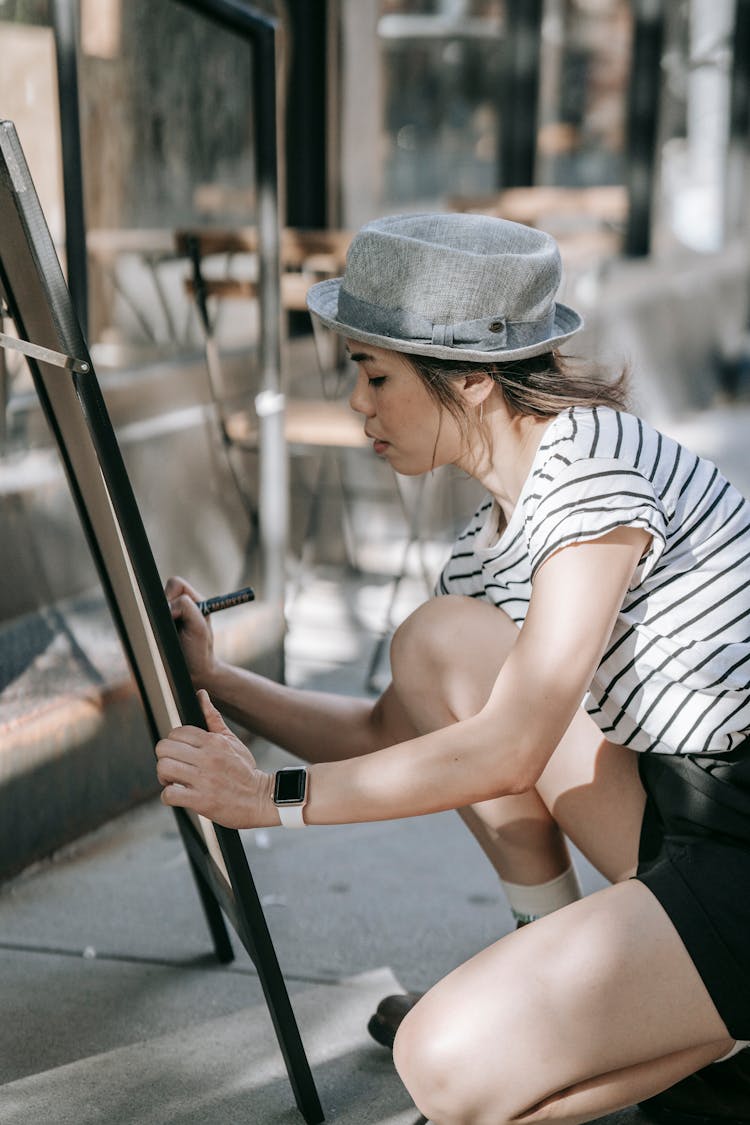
717	1095
388	1016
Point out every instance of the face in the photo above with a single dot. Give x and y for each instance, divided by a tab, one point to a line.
407	427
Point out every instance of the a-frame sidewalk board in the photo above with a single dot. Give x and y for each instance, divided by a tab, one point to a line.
38	301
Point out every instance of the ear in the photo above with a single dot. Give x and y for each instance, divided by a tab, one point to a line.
476	387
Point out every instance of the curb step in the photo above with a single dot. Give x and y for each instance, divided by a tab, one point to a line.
74	745
229	1070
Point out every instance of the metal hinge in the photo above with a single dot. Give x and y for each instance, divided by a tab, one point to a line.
44	355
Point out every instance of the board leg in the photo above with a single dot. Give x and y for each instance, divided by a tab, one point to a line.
253	932
214	917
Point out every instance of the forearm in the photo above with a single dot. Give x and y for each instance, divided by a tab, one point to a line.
501	750
315	726
213	773
445	769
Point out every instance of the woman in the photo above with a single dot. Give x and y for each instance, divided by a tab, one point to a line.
607	565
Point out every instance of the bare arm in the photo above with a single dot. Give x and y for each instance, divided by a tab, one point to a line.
503	749
315	726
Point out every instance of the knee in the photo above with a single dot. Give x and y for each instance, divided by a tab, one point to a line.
445	658
426	646
439	1069
428	1062
418	645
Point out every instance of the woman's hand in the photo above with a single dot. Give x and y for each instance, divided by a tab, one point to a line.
214	774
196	635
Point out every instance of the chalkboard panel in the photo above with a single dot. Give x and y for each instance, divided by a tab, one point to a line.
34	292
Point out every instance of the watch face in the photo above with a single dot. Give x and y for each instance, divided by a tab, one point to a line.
289	787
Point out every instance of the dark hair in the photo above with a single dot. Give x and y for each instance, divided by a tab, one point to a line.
543	385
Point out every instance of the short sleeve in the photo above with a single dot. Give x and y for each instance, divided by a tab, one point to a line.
462	573
586	500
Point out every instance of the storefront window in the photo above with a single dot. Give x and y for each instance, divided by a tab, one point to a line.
426	102
166	114
584	70
441	65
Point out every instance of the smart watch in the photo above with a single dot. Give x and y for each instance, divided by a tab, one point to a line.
290	795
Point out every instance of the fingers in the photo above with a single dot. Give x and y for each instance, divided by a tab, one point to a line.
214	774
214	722
193	744
175	586
176	773
177	796
171	770
184	609
182	598
183	743
177	761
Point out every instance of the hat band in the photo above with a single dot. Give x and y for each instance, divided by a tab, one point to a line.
490	334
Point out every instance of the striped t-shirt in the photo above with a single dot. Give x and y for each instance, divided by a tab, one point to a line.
675	676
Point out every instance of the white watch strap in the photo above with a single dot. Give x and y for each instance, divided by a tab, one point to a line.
291	816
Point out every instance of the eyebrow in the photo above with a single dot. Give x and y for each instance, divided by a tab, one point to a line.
361	357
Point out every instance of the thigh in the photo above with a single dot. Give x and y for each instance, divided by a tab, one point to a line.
600	986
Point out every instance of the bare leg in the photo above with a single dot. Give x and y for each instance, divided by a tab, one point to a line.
445	659
589	1010
593	790
521	840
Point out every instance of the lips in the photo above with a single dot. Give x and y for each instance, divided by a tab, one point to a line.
378	444
374	438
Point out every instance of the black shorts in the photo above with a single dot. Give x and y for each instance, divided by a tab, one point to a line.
694	856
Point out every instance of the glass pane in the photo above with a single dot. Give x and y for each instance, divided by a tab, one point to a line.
425	102
24	11
28	98
167	126
585	63
441	71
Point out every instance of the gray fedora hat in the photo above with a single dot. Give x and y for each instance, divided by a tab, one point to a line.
453	286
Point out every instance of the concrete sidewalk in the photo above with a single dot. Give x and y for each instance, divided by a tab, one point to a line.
112	1009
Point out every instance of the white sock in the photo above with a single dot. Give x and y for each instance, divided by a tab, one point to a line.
740	1045
530	902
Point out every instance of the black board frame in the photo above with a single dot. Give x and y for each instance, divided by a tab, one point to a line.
39	303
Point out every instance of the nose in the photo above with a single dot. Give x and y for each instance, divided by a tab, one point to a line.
360	399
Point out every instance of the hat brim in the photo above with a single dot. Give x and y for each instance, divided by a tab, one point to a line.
323	303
